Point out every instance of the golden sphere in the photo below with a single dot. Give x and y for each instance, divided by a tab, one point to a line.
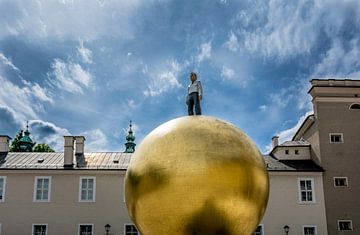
196	175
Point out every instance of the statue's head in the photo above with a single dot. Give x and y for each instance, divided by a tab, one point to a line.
193	76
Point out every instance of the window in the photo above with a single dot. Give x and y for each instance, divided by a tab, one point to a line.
42	189
87	189
296	151
309	230
86	229
39	229
340	182
355	106
259	230
2	188
286	151
130	229
345	225
336	138
306	190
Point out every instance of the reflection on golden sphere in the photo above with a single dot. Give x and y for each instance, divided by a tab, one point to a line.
196	175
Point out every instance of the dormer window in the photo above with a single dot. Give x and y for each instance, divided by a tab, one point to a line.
355	106
287	151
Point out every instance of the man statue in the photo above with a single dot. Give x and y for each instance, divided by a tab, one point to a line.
194	96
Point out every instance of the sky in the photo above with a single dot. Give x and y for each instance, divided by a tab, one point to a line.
87	67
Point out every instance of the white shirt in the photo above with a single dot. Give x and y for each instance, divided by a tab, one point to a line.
195	87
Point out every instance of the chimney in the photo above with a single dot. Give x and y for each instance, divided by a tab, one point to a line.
275	141
79	145
4	143
68	151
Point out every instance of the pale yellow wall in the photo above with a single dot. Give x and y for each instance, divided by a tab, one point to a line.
64	211
284	207
304	153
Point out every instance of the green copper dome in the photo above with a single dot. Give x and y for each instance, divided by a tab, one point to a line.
26	143
130	138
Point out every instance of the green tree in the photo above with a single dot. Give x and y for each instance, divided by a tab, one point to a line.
43	148
15	144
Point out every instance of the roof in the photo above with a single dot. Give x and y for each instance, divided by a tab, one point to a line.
273	164
302	165
6	136
338	82
298	143
116	161
309	120
55	160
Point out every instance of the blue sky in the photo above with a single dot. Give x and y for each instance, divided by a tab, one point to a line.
88	67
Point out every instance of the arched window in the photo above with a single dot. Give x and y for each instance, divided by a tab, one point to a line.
355	106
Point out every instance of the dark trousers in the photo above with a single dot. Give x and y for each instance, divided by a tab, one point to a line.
194	101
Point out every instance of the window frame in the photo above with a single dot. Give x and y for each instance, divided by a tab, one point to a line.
130	224
341	177
353	105
312	190
262	229
342	138
33	225
3	189
35	188
309	226
345	220
92	227
94	188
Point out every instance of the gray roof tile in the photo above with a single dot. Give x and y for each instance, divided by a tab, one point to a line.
117	161
26	160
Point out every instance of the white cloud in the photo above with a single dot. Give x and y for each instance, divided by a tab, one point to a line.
263	108
68	19
21	101
204	51
49	133
227	73
340	61
85	53
96	140
4	60
288	134
25	101
41	93
232	43
164	80
70	76
285	29
131	104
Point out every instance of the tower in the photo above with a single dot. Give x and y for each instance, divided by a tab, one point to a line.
26	143
333	132
130	138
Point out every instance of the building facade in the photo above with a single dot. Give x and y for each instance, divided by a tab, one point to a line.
313	179
333	132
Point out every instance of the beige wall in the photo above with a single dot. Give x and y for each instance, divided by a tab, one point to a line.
284	207
340	160
64	211
304	153
312	136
